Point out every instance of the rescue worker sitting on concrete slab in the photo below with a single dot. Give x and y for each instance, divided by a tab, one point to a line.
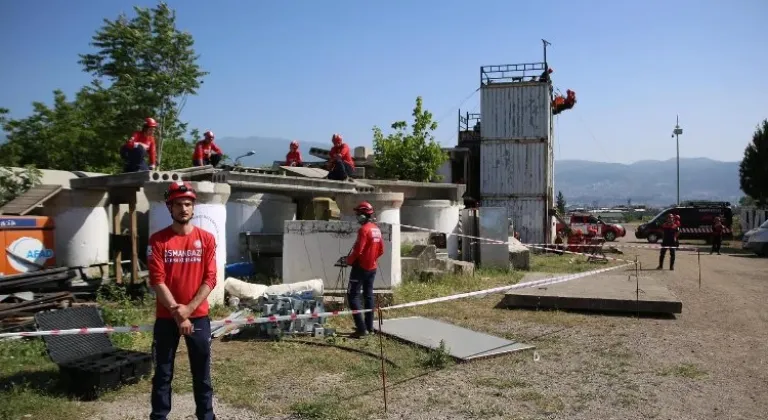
340	163
206	151
182	271
671	229
140	145
368	248
293	158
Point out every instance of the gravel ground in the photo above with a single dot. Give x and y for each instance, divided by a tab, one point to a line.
708	363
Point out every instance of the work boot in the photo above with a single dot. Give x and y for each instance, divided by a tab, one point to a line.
358	334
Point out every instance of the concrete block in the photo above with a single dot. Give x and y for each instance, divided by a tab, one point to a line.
414	238
519	255
463	268
312	247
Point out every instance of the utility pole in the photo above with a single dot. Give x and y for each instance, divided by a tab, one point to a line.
676	134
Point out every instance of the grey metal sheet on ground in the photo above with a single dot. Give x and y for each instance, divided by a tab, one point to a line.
461	343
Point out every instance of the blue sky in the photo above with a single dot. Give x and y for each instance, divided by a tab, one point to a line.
304	69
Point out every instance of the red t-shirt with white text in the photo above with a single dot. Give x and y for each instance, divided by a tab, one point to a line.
368	247
183	263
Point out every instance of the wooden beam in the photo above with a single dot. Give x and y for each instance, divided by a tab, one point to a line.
134	244
118	251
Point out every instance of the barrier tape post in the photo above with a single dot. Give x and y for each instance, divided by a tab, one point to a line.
381	347
698	253
637	288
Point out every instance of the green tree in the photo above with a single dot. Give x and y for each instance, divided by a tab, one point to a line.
14	183
151	67
753	170
560	202
409	156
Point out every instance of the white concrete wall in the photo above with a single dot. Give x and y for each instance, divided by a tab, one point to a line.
752	217
312	247
254	212
437	215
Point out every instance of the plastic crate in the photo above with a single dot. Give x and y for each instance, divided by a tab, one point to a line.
89	363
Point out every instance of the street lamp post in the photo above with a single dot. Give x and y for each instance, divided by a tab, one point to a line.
676	134
249	153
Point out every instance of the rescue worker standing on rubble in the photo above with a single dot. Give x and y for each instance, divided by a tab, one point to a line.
140	145
182	271
363	259
717	236
206	151
340	163
293	158
669	241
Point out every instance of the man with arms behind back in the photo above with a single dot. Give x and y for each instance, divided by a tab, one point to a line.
182	271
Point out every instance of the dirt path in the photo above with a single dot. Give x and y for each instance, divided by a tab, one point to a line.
711	362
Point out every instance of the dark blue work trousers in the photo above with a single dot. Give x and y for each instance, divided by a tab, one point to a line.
359	278
134	159
164	345
341	170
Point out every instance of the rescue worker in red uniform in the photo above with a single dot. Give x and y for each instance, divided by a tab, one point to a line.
363	259
340	163
182	271
717	236
671	231
293	158
206	151
138	147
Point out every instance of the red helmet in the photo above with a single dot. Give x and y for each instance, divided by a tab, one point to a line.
179	189
150	122
364	208
336	139
677	217
209	135
294	145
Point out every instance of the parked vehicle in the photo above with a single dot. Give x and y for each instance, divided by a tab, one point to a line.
585	221
696	219
756	240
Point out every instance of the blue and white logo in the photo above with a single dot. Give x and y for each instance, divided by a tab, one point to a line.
27	254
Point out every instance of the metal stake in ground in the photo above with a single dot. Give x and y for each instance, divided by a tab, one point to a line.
637	288
698	256
381	347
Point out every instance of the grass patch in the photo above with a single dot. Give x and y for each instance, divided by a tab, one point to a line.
544	403
566	263
499	383
405	249
684	370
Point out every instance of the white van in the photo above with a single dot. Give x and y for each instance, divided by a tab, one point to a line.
756	240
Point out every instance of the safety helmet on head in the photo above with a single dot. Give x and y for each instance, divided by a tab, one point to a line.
179	189
294	144
337	139
209	135
364	208
150	122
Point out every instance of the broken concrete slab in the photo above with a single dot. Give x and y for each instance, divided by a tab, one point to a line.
603	292
519	254
460	343
304	171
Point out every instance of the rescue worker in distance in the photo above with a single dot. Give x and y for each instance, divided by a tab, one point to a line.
340	163
138	147
206	151
293	158
182	271
368	248
671	229
717	236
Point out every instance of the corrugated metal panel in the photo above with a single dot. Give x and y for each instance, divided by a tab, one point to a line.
514	167
515	110
529	216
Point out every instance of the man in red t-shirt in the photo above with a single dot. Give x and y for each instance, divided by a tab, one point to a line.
340	163
363	259
206	151
182	271
140	145
293	158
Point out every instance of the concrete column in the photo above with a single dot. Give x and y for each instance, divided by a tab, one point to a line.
82	227
210	214
437	215
387	208
255	212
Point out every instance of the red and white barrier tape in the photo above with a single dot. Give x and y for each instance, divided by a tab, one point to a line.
679	248
565	251
267	319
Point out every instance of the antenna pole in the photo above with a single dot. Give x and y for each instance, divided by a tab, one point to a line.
545	42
